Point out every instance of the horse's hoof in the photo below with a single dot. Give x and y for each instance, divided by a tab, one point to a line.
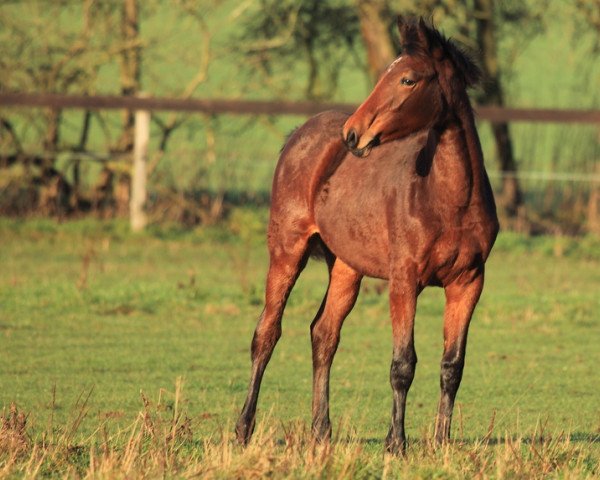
322	433
243	433
440	441
395	446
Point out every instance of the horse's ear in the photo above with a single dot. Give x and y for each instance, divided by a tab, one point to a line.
423	33
429	39
402	29
400	22
408	32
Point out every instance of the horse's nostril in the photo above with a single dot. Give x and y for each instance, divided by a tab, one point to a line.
352	139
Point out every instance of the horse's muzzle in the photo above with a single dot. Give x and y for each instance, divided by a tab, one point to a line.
351	141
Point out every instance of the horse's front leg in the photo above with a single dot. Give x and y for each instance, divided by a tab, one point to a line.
284	269
403	300
344	285
461	298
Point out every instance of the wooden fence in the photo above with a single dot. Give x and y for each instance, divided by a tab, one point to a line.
275	107
143	105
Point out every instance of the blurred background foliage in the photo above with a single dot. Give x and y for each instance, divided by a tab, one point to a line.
535	53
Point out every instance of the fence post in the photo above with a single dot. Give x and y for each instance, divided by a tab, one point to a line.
593	213
137	213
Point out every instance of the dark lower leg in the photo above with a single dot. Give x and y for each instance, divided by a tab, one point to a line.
403	301
321	424
325	335
324	346
461	299
402	373
451	374
263	344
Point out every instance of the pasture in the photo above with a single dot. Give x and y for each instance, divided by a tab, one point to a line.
128	356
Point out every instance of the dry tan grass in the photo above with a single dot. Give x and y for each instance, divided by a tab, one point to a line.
161	443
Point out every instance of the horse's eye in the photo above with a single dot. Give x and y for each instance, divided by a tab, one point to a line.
407	81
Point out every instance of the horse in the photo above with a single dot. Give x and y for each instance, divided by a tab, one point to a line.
397	191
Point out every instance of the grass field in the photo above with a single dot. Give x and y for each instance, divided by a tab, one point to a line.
128	355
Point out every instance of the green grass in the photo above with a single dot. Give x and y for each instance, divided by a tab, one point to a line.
87	308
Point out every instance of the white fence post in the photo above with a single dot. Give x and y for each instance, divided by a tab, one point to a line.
137	213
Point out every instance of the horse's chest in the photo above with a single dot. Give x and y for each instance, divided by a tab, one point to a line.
352	224
372	214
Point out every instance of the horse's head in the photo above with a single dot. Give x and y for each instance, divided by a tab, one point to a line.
418	90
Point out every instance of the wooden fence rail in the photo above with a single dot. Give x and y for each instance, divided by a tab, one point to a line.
271	107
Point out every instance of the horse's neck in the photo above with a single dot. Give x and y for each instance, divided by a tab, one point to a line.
457	168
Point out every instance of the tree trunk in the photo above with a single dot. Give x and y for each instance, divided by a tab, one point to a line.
54	190
511	198
130	70
375	35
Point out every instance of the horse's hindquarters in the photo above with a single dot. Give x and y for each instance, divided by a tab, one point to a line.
311	152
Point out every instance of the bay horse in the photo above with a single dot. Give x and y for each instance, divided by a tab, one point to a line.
397	191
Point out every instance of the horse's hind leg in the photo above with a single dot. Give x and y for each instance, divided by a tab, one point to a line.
461	298
285	267
341	295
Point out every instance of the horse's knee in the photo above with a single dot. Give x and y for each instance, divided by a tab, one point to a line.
402	371
451	374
